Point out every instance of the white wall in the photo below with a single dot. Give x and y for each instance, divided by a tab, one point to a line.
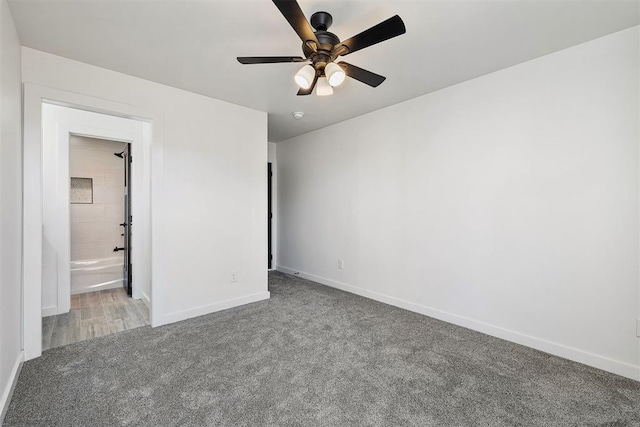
10	204
213	199
507	204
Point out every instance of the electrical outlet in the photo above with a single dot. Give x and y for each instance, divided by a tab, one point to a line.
234	277
340	264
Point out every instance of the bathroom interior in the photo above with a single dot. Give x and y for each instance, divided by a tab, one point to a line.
101	302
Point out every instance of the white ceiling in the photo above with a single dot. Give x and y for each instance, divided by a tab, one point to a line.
193	45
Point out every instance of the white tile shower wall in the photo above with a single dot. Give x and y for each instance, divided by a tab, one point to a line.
95	229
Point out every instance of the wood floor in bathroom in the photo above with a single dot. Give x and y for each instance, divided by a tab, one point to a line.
92	315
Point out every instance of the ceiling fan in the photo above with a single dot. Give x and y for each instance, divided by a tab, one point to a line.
321	49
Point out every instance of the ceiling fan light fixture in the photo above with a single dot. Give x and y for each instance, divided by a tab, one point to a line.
321	48
304	77
335	74
324	88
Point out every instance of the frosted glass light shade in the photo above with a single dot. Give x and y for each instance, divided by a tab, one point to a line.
304	77
324	88
335	74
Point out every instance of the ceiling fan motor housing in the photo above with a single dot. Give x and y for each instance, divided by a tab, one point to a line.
321	21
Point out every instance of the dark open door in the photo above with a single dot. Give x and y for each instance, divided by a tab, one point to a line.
269	215
127	220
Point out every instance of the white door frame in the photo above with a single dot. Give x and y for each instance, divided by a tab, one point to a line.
34	97
59	124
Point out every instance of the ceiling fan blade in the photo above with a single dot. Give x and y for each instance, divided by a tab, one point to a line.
303	92
268	59
290	9
360	74
385	30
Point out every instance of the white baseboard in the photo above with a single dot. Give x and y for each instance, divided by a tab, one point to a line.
52	310
574	354
177	316
5	399
146	300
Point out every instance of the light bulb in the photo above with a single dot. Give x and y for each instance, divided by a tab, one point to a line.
324	88
304	77
335	74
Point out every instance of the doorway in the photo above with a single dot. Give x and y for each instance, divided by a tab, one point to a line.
48	228
108	120
100	245
269	216
98	211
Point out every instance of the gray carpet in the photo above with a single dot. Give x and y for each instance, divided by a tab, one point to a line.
313	355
